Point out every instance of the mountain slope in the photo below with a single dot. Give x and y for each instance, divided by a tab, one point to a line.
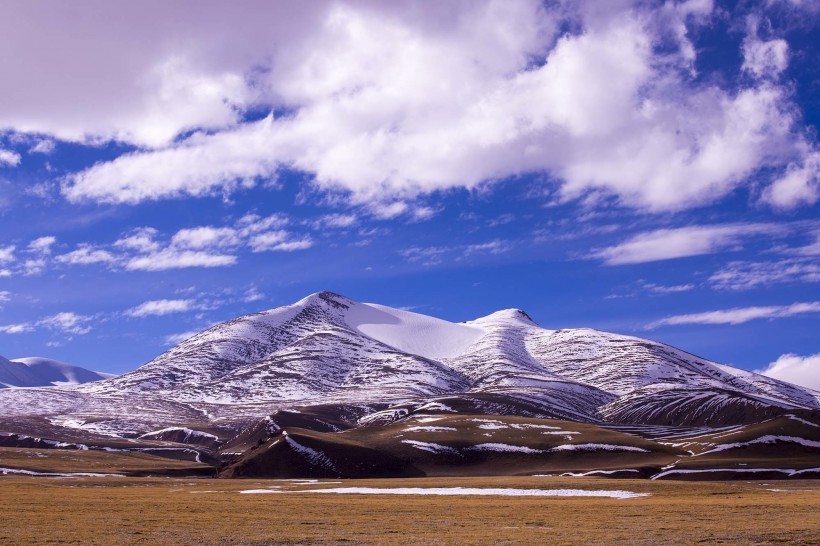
42	372
328	349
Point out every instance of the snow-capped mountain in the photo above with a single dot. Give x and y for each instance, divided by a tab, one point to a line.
329	349
42	372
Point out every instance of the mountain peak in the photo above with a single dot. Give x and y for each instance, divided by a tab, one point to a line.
328	297
506	316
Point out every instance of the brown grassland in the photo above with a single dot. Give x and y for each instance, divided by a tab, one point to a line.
41	510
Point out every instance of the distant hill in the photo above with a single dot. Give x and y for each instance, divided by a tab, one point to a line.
43	372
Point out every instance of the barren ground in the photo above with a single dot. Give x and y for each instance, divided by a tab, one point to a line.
40	510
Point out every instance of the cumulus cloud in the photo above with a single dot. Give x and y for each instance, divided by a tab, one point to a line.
86	254
801	370
160	308
43	146
763	59
667	244
386	101
143	249
7	254
798	185
42	245
140	239
9	158
739	315
64	322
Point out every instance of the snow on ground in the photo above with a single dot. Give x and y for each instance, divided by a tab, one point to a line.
787	471
435	406
430	429
315	457
504	447
58	474
596	472
493	426
431	447
427	419
768	439
411	332
504	492
597	447
800	420
189	433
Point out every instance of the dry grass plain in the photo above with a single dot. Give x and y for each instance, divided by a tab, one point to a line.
39	510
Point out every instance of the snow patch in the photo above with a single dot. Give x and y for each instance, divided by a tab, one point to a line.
58	474
598	447
411	332
430	429
431	447
504	447
502	492
768	439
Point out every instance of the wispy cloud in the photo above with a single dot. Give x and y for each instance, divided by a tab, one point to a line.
739	315
433	255
174	258
748	275
160	308
176	339
667	244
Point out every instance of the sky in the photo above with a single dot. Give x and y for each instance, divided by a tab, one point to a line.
648	168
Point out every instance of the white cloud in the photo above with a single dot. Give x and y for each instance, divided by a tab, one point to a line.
33	266
7	254
490	247
85	255
43	146
140	239
9	158
171	258
5	297
387	102
42	245
434	255
143	249
739	315
667	244
748	275
176	339
205	237
337	220
161	307
67	322
763	59
798	185
673	289
800	370
252	294
16	328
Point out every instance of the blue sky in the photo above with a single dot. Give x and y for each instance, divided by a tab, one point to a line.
646	168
